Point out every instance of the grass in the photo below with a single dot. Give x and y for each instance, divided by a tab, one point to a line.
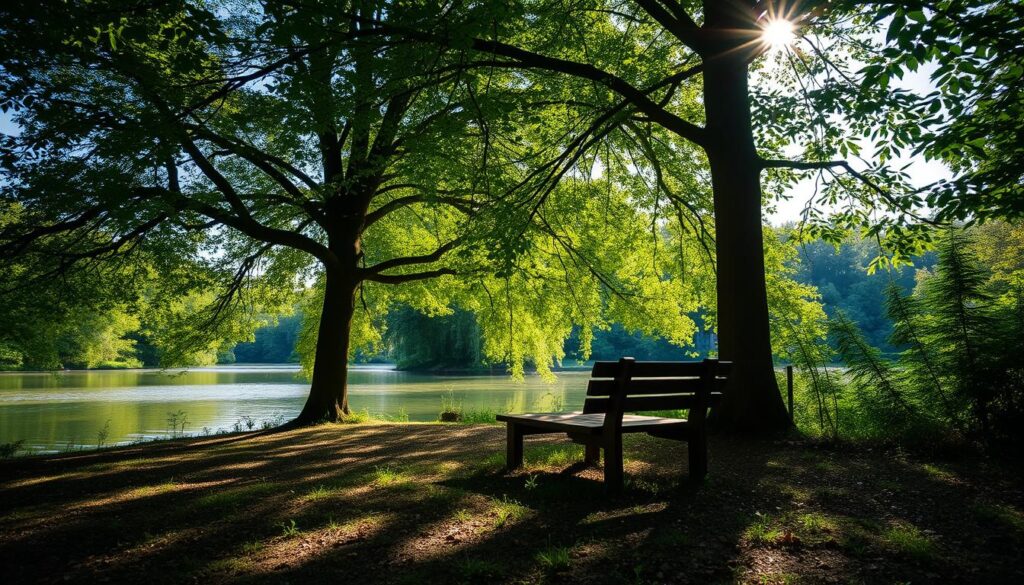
762	531
553	558
508	510
386	503
318	493
552	455
816	523
908	540
388	475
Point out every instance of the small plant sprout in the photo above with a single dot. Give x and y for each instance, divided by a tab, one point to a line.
451	410
289	528
531	482
176	423
102	435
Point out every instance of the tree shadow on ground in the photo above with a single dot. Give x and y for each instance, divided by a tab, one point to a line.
430	503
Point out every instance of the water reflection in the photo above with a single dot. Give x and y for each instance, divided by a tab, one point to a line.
56	411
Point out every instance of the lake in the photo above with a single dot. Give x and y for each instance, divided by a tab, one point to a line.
70	409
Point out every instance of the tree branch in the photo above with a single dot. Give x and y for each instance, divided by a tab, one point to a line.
400	278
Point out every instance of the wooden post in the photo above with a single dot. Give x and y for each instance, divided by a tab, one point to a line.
789	390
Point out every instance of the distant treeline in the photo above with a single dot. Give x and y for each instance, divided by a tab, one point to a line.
417	342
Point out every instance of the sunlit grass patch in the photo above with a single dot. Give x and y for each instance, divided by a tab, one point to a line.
763	530
553	455
391	476
778	579
463	516
152	490
939	473
354	418
816	523
230	565
251	547
907	539
476	417
320	492
508	510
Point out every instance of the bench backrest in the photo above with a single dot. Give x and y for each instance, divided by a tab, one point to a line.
628	386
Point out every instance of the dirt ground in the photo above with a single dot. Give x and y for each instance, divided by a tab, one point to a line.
429	503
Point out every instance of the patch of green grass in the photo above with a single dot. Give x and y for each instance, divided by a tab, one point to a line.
463	515
354	418
484	416
229	565
252	547
907	539
762	530
555	558
320	492
489	463
507	510
153	490
939	473
553	455
778	579
816	523
389	476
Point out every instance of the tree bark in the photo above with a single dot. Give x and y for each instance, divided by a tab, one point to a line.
753	403
328	392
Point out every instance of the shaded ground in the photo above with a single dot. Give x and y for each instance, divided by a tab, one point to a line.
417	503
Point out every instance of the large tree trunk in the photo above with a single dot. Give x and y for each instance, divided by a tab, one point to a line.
753	403
328	393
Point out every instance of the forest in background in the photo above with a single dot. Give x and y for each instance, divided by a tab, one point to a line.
840	276
119	339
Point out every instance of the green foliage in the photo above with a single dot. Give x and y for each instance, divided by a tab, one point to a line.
960	368
874	379
8	450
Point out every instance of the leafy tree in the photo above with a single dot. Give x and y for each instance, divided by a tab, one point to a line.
974	121
644	62
271	146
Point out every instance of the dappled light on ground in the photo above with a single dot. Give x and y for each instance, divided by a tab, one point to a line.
417	503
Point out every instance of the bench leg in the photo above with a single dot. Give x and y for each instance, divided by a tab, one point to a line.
613	480
514	448
698	450
592	453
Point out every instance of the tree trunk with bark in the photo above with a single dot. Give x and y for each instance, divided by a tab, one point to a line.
328	392
753	403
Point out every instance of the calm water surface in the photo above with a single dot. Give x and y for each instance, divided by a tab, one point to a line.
52	411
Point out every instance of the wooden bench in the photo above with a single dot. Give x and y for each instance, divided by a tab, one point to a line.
625	386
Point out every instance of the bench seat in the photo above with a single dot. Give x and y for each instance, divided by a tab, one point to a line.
593	423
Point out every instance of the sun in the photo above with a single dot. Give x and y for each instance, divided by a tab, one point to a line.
778	33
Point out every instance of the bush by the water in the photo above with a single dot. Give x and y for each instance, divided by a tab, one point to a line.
960	372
